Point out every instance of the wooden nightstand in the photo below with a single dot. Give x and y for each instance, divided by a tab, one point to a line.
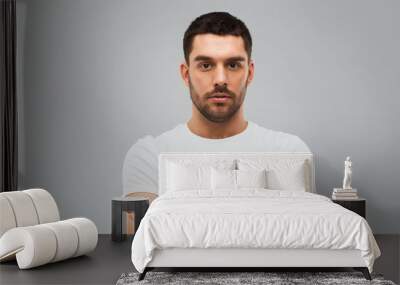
358	206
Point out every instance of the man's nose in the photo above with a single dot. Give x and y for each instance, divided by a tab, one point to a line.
220	77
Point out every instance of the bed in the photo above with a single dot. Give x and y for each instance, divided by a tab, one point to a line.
244	210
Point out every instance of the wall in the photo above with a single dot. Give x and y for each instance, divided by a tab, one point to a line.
95	75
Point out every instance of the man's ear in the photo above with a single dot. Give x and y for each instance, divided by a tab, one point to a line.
251	72
184	69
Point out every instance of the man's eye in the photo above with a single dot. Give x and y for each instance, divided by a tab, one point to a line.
234	65
205	65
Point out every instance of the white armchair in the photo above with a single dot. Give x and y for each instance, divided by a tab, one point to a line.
31	231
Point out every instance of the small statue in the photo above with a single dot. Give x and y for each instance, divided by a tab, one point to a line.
347	174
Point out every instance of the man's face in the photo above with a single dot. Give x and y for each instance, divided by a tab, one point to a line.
218	67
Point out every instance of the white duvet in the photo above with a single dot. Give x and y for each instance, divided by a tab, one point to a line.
250	218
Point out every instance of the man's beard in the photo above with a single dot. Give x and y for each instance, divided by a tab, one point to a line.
203	105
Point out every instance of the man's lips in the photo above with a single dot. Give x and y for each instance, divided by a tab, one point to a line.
221	97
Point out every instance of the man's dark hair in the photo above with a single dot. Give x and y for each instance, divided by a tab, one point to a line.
218	23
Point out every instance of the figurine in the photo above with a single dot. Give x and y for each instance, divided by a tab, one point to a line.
347	174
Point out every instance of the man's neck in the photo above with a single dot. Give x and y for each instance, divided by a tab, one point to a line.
211	130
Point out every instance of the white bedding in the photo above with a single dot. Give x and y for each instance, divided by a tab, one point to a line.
250	218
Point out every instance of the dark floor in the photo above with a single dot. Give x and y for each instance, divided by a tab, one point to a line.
111	259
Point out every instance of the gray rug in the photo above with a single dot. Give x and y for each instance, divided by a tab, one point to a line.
225	278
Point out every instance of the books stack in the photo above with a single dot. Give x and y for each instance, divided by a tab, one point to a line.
344	194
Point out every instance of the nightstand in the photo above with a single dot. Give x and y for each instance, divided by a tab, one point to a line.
121	205
358	206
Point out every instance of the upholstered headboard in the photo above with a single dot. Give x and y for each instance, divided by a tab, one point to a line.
204	158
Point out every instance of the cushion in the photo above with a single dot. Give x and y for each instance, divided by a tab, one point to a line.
255	178
236	179
7	215
183	175
23	208
26	208
187	177
45	205
282	174
223	179
51	242
31	233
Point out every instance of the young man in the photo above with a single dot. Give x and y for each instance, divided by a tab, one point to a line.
217	69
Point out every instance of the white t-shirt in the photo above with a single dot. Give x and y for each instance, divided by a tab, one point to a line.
140	169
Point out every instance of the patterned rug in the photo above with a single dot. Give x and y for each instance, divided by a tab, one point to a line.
229	278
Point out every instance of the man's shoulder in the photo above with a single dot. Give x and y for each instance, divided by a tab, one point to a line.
284	141
144	142
144	149
272	132
173	133
152	143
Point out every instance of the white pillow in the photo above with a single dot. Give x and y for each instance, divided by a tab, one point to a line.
282	174
184	177
255	178
185	174
236	179
223	179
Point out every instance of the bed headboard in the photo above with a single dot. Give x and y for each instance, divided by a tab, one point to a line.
217	156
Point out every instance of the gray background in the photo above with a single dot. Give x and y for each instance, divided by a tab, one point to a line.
96	75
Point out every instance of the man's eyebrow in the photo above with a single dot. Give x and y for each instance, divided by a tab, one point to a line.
202	57
234	58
